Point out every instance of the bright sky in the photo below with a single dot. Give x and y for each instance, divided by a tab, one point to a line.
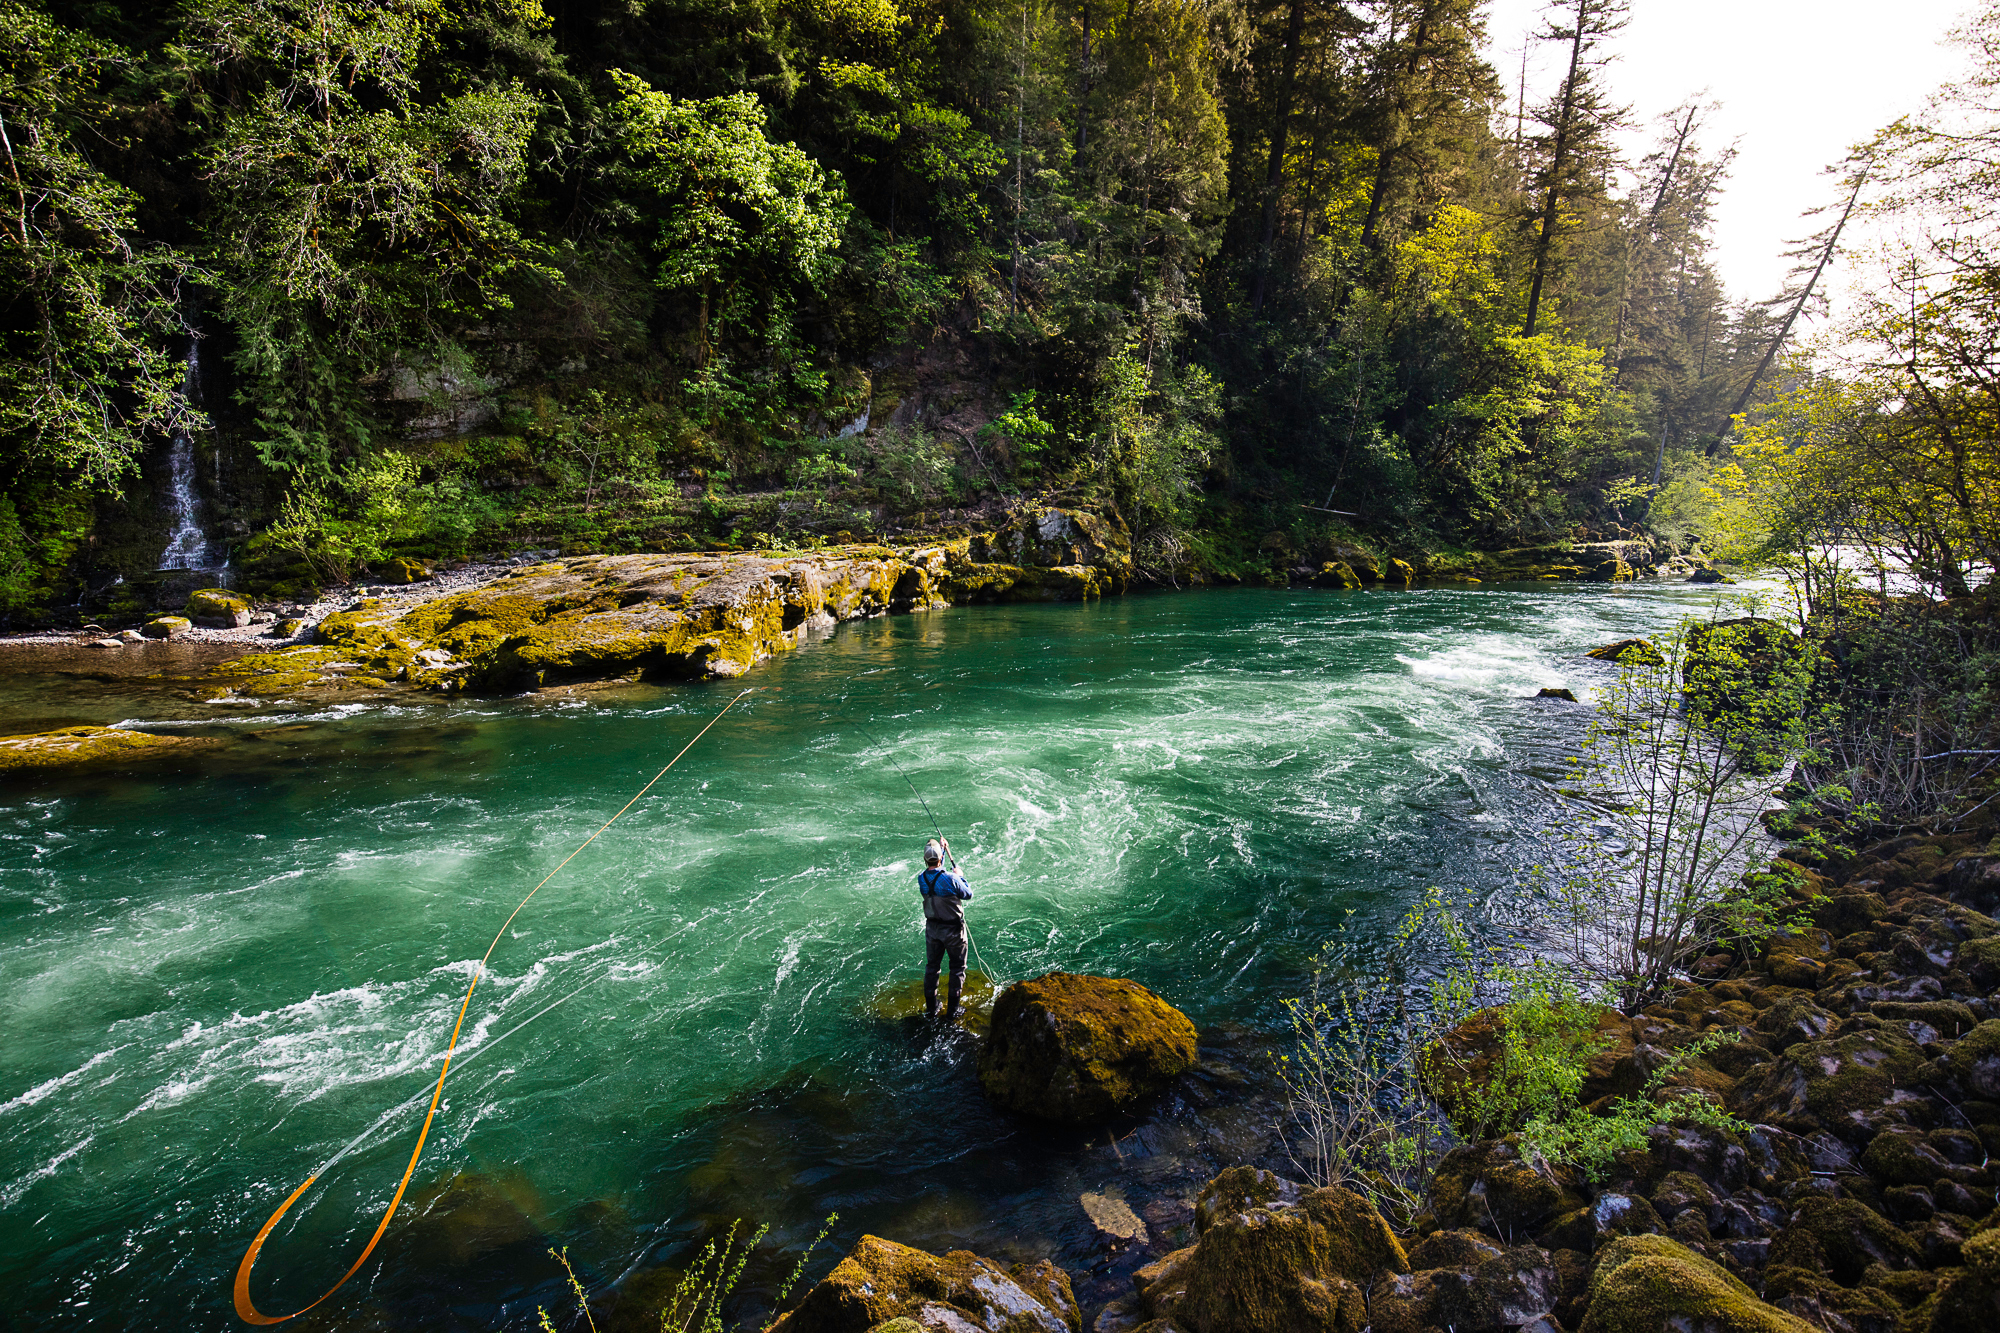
1799	80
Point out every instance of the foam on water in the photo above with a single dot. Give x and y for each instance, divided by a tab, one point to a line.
214	981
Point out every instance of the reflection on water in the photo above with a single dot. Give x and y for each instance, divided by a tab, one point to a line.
216	972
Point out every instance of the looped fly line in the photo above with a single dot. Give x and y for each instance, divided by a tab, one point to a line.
246	1309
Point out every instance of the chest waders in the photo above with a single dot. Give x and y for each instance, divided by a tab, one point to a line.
944	937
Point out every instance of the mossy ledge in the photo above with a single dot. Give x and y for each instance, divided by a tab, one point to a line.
74	747
679	616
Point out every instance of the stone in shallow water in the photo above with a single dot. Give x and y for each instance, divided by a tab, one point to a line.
1081	1049
1114	1217
74	746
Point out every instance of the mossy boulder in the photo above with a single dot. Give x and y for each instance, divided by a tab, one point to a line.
1647	1284
403	570
1082	1049
1238	1190
75	747
1974	1060
166	627
217	608
1635	650
880	1280
1842	1238
1336	574
1486	1186
1272	1270
1845	1085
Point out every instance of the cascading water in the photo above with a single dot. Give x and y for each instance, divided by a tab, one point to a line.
187	548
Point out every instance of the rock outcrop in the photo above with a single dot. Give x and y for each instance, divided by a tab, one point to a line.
959	1292
685	616
75	747
1082	1049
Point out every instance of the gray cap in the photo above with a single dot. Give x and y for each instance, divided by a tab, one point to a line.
933	852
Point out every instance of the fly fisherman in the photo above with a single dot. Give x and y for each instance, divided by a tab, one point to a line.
945	894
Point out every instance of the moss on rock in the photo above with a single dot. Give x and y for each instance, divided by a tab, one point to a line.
75	747
166	627
1082	1049
217	608
880	1280
1271	1270
1646	1284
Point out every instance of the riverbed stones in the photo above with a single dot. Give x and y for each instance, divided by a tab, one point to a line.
166	627
959	1292
217	608
72	747
1082	1049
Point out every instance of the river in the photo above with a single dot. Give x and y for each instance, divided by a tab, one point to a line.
215	974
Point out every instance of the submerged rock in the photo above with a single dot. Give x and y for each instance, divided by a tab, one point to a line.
959	1292
905	1001
1082	1049
75	746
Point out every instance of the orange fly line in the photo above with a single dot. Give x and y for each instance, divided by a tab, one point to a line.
247	1309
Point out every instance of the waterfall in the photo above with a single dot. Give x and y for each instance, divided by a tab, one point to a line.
187	548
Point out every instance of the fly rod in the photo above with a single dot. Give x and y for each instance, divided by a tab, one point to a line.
945	842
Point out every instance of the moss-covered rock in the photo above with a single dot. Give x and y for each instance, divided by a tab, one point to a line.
1082	1049
166	627
1336	574
402	570
1487	1187
1648	1284
880	1280
76	747
1841	1084
1637	650
217	608
1238	1190
1841	1238
1272	1270
1974	1060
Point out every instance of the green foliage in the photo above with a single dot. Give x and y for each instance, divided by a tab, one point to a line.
699	1296
1590	1142
1547	1033
84	377
1671	780
1354	1078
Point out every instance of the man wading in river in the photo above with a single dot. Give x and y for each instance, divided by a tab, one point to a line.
945	894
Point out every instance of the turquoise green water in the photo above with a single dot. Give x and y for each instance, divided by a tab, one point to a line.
215	975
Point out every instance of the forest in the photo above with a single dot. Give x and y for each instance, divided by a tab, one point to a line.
441	277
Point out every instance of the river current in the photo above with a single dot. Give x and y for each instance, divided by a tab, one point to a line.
214	974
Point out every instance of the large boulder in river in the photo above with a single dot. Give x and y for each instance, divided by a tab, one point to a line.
958	1293
1082	1049
218	608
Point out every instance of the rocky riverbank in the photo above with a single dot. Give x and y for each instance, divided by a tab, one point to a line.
1866	1058
539	622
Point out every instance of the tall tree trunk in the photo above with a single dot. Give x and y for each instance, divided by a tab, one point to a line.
1791	316
1385	159
1274	175
1565	114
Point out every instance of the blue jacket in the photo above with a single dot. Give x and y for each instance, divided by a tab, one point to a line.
943	892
